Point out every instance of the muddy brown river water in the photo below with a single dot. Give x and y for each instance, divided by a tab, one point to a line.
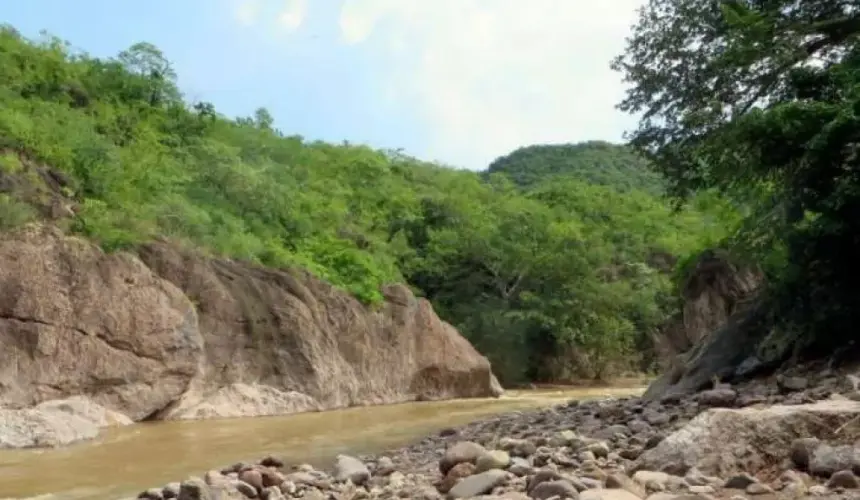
126	461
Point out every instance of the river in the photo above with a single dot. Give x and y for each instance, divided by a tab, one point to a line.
127	460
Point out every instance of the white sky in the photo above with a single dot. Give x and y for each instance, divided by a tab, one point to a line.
487	76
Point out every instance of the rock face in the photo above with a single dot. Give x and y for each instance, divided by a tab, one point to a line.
182	336
721	326
292	332
714	290
74	320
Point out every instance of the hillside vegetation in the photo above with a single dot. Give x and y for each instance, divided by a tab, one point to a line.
569	277
597	162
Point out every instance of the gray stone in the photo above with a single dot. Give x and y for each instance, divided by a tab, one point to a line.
495	459
714	439
607	495
479	484
520	466
843	479
739	481
194	489
802	450
723	397
792	384
464	451
559	488
347	468
827	460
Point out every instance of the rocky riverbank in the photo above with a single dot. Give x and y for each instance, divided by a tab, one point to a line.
789	436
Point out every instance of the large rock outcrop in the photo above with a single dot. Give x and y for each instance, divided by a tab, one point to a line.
77	321
183	336
719	327
723	442
715	288
295	333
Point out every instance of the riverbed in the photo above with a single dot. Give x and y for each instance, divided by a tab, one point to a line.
127	460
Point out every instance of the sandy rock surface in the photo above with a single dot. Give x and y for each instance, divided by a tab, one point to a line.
56	423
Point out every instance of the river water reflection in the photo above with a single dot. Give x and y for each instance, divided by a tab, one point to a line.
128	460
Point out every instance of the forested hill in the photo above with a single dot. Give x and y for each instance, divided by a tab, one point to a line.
557	281
596	162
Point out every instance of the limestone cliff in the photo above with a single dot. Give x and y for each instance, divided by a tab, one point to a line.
174	335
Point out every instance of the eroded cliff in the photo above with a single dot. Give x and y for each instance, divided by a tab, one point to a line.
714	289
716	330
77	321
293	332
175	335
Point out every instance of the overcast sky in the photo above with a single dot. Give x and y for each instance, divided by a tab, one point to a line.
460	81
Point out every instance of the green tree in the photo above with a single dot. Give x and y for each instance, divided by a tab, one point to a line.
263	119
596	162
760	100
149	63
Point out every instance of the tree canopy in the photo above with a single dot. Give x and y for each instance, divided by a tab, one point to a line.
557	277
596	162
759	99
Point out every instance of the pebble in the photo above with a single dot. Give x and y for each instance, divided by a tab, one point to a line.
479	484
843	479
740	481
347	468
758	489
495	459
